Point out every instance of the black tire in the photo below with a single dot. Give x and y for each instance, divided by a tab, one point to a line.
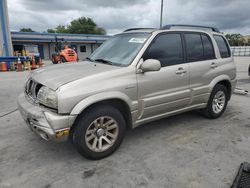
63	60
83	123
209	111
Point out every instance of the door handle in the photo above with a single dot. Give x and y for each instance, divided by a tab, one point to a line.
214	65
180	71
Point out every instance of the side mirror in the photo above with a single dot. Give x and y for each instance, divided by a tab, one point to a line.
150	65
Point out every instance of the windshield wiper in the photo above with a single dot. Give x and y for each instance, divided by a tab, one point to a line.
88	58
104	61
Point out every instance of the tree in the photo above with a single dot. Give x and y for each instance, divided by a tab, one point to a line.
51	31
26	30
235	39
82	25
61	29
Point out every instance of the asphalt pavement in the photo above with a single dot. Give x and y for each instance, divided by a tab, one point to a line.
186	150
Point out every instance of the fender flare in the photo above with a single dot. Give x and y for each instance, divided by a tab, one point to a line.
219	79
83	104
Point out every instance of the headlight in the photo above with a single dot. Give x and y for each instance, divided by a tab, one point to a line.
47	97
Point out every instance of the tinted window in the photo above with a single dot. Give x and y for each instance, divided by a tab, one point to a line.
208	48
167	49
222	45
194	47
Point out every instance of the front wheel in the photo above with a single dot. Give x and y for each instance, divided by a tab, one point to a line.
63	60
217	102
99	132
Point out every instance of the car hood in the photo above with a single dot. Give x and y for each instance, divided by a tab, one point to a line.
55	76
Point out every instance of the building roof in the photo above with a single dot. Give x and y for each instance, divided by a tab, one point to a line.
51	37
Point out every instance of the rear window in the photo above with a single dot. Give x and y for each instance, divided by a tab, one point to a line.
223	46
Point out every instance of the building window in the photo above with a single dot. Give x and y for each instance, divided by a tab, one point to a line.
82	48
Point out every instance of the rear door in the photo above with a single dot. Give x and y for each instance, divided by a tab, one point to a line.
166	90
200	55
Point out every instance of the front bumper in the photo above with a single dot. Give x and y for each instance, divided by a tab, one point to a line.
47	124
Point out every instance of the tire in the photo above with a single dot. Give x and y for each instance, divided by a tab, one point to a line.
89	127
212	110
63	60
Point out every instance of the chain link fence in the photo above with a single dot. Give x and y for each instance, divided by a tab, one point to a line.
241	51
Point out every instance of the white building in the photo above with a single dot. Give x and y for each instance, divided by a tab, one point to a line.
84	44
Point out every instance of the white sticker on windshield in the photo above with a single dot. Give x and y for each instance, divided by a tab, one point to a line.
137	40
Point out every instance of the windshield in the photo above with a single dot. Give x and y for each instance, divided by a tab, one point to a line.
120	49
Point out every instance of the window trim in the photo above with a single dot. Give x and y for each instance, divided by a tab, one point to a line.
164	33
227	45
199	33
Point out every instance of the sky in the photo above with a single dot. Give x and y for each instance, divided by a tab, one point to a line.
230	16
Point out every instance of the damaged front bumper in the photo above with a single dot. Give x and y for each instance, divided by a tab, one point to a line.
47	124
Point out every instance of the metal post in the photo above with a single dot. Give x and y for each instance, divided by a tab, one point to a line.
161	13
6	44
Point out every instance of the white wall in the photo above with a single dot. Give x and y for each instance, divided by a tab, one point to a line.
46	51
83	55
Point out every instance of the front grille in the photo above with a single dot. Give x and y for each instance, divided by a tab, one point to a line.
32	88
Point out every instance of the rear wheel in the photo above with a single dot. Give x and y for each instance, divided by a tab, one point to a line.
99	132
217	102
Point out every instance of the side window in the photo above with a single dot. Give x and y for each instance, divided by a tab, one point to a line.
194	47
223	46
208	48
167	48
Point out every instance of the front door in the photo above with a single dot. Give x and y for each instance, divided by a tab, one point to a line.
166	90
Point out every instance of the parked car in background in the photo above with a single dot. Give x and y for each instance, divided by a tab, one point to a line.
135	77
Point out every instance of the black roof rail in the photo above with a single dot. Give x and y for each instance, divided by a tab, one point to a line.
132	29
195	26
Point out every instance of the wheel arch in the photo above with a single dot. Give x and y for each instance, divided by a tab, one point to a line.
228	85
225	81
118	101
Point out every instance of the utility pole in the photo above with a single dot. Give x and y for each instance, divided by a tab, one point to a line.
5	37
161	13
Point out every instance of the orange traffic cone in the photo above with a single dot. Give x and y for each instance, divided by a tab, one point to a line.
33	63
19	65
40	62
4	67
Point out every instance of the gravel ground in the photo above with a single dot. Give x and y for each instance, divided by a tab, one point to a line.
182	151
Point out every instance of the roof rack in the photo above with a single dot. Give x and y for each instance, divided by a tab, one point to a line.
132	29
195	26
